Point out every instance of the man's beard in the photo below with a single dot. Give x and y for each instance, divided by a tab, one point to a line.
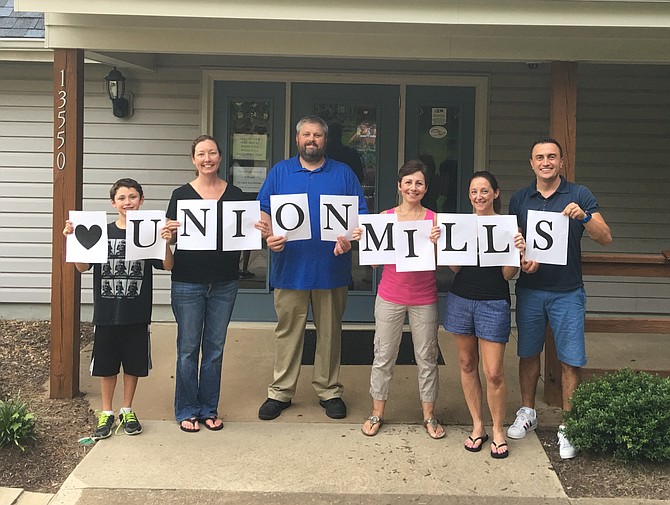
312	155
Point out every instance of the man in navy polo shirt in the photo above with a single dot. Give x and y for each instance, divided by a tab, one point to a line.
308	271
553	293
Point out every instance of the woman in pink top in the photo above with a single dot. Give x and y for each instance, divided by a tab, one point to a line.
399	293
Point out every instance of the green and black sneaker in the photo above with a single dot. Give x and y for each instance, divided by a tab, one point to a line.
105	425
131	425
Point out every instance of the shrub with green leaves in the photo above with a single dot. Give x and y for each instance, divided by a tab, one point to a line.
626	414
17	424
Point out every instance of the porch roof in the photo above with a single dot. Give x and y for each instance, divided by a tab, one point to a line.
477	30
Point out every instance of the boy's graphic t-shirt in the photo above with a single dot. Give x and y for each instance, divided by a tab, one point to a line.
122	290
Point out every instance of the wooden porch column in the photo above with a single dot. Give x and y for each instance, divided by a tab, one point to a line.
67	195
562	127
563	115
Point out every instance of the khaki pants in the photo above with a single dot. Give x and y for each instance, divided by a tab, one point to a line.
292	306
389	320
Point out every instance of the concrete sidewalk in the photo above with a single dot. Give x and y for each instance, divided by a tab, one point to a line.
304	457
299	461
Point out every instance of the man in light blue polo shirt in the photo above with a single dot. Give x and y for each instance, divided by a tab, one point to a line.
553	293
308	271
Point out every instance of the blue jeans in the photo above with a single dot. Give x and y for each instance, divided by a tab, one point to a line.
202	312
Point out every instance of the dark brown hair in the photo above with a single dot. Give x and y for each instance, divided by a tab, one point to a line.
411	167
125	183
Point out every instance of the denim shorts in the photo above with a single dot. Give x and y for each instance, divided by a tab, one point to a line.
486	319
564	311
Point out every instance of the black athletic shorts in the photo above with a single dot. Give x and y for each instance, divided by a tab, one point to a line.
127	344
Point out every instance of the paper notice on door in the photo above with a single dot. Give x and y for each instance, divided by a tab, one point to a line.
250	147
439	115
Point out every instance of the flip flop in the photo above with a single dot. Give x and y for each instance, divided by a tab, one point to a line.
476	448
373	421
213	419
497	455
434	423
191	420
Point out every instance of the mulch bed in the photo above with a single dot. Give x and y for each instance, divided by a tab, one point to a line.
598	476
24	371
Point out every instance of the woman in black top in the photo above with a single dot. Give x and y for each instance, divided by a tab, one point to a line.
204	288
478	314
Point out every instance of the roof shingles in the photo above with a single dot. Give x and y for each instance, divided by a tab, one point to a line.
21	25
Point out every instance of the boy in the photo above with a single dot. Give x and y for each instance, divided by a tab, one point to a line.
121	313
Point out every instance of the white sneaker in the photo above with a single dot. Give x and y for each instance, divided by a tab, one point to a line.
526	420
565	448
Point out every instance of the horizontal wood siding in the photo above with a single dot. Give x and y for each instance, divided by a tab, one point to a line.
622	155
152	147
623	151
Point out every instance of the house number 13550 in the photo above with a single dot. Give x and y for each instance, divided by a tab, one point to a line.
60	115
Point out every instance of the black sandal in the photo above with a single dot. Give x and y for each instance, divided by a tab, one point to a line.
213	419
191	420
499	455
476	448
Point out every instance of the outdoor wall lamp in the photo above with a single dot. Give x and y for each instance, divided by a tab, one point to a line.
115	83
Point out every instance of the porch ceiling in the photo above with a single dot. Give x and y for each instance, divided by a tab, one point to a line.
477	30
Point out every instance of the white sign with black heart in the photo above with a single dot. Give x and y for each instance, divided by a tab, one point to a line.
88	243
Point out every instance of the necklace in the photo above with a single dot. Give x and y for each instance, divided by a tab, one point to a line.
405	215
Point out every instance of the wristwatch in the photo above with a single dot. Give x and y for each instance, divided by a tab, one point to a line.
587	218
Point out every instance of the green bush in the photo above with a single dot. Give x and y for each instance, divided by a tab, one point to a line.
626	414
17	425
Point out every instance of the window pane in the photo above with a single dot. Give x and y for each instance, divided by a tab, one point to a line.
352	139
439	141
249	158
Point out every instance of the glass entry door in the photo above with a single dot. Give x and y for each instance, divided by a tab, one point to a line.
440	131
363	132
249	120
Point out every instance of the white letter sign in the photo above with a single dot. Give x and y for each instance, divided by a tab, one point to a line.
376	246
197	225
339	216
290	216
414	250
238	230
496	241
143	235
457	244
547	237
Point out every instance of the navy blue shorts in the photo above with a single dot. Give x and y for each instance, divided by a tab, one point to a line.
487	319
